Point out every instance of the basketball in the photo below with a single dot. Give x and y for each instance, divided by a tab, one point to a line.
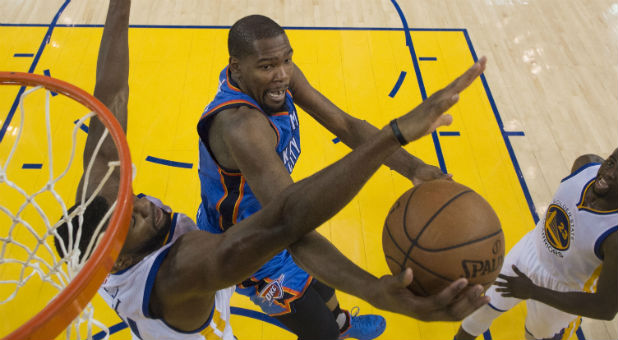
443	230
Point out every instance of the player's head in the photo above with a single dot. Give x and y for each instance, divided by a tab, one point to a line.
261	60
606	184
148	227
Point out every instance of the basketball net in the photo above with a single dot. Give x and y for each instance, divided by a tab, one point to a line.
29	261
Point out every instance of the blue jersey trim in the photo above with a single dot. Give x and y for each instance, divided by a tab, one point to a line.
170	234
582	168
495	308
599	241
148	291
150	282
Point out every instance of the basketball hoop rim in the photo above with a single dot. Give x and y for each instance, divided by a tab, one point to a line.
63	309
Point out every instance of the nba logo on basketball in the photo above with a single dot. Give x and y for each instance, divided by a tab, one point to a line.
273	290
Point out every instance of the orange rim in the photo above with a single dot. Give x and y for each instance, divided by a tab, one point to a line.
67	305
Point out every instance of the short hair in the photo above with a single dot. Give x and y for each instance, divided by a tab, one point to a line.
93	215
249	29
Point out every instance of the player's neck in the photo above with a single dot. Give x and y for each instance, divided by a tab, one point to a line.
605	203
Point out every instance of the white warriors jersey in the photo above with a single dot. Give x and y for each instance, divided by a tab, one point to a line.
569	237
128	293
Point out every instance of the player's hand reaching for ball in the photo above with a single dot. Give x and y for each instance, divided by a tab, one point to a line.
453	303
429	115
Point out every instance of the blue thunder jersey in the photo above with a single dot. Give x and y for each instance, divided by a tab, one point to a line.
226	196
228	199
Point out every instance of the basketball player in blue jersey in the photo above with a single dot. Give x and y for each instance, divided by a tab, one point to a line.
557	265
172	281
249	144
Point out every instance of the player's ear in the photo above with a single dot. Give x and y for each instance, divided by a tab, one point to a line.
234	65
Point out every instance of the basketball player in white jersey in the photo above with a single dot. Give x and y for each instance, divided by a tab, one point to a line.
170	279
568	265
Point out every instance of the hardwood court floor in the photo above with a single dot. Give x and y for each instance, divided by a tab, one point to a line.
547	96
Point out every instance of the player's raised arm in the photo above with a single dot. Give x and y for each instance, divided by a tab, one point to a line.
112	89
353	131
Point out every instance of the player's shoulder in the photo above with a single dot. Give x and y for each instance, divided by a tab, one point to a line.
242	119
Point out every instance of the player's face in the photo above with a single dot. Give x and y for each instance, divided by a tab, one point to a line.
265	75
607	178
148	227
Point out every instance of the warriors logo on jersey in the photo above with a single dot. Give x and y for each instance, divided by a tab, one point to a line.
558	228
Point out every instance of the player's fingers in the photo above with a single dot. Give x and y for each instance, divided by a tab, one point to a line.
469	76
517	271
404	279
442	120
504	277
448	294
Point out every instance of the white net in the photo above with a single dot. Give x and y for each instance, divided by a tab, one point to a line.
32	271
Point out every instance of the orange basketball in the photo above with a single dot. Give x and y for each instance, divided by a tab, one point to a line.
443	231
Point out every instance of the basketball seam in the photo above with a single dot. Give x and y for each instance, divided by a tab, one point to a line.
393	239
405	230
461	244
418	236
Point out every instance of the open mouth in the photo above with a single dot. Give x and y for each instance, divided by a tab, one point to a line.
601	184
276	95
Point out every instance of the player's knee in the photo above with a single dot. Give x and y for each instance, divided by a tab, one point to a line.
479	321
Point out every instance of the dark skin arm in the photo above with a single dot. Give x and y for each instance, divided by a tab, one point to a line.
603	304
353	131
112	89
296	210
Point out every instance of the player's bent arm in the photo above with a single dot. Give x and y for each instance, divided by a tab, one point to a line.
112	89
352	131
602	304
585	159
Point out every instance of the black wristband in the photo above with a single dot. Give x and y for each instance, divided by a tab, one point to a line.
397	132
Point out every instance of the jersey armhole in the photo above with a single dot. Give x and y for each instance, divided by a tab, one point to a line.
599	241
581	168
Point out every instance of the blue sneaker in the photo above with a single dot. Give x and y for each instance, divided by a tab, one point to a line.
364	327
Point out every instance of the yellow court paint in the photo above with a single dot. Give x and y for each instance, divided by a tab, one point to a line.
173	75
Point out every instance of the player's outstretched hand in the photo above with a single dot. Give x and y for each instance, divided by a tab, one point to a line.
453	303
429	115
519	286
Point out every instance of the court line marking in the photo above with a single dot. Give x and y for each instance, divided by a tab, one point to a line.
449	133
427	58
421	83
169	163
35	61
505	135
395	89
23	55
32	166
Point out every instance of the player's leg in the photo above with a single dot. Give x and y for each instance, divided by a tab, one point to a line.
477	323
351	325
309	317
521	255
545	322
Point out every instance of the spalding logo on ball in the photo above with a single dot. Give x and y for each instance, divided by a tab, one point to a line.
443	230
